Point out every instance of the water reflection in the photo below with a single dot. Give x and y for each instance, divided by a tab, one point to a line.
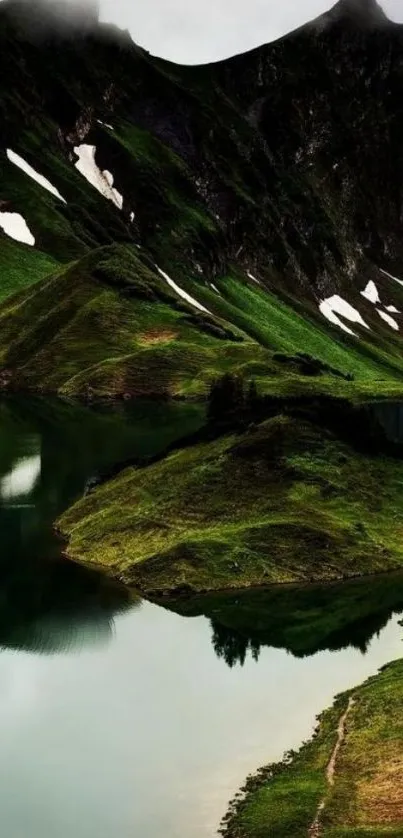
302	620
49	452
22	479
151	735
57	607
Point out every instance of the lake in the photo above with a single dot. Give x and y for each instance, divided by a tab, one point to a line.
120	717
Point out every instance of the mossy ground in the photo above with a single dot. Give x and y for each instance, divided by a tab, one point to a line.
284	502
108	325
366	800
21	267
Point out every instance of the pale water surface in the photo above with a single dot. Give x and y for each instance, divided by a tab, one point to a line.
118	717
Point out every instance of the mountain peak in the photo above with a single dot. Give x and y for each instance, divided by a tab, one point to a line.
366	14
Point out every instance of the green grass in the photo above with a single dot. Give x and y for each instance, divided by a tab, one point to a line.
64	231
107	326
21	266
366	799
284	326
281	800
285	502
209	202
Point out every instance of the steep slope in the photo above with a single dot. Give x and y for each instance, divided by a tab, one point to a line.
280	168
111	325
114	324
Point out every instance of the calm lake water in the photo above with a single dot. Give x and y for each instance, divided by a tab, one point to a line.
121	718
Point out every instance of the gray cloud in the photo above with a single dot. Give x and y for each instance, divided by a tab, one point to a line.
194	32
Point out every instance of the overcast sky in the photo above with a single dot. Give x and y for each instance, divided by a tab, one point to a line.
191	31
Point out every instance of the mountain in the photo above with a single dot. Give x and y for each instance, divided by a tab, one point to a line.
258	198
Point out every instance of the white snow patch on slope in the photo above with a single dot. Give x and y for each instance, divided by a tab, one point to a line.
388	319
334	306
400	281
102	181
15	226
110	181
392	309
371	293
253	277
181	292
105	124
22	479
214	287
32	173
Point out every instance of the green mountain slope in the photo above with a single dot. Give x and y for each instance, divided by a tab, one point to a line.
110	325
258	166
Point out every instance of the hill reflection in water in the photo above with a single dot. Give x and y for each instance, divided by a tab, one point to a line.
49	452
303	620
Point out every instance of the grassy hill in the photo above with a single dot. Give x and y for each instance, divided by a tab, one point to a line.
286	501
110	325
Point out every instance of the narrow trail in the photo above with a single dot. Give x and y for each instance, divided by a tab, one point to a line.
316	828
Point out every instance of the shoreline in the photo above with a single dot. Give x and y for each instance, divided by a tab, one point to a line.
341	782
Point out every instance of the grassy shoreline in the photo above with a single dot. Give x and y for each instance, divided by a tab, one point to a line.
288	500
363	799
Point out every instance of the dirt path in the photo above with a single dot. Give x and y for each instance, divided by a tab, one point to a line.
315	828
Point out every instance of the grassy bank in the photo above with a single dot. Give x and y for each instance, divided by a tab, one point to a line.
285	501
361	791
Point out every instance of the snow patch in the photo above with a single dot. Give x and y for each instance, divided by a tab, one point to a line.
105	124
181	292
334	306
392	309
15	226
214	287
388	319
132	217
102	181
371	293
32	173
400	281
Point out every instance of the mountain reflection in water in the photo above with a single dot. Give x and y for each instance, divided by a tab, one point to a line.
303	619
49	451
